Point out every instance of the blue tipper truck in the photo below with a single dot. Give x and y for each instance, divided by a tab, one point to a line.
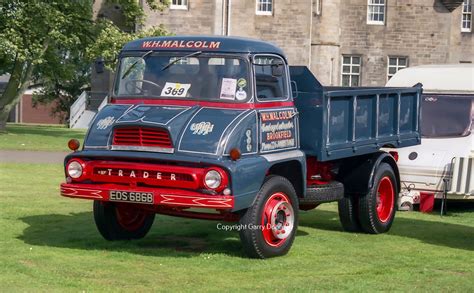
222	128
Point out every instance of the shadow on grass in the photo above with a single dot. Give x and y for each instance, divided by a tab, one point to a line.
168	237
186	237
455	206
431	232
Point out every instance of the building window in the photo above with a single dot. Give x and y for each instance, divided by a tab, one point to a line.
351	70
395	64
179	4
466	20
264	7
376	12
319	7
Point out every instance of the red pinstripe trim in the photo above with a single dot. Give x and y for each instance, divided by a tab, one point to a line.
197	201
162	196
81	192
226	105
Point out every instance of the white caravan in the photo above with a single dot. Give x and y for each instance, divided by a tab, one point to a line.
447	147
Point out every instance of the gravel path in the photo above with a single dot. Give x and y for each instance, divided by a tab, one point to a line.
31	157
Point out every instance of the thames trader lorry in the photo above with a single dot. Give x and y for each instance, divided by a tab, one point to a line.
222	128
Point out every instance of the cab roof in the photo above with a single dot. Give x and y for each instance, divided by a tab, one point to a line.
219	44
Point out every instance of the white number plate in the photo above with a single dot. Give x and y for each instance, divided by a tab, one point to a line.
131	196
175	90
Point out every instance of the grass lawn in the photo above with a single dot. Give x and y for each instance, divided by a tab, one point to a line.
50	243
38	138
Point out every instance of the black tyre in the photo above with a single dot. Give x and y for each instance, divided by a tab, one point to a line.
329	192
349	213
377	208
270	224
121	221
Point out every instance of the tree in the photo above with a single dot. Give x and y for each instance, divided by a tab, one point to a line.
61	80
111	39
47	41
65	78
30	31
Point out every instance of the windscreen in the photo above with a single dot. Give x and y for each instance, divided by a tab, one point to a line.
446	115
192	76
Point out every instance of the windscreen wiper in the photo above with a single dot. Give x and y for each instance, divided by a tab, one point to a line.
129	69
180	58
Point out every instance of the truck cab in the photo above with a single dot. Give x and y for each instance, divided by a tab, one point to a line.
209	127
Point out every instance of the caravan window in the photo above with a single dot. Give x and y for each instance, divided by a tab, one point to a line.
446	116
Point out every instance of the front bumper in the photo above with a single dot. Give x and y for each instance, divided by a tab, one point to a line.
162	196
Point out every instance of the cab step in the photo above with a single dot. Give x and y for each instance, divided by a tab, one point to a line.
315	194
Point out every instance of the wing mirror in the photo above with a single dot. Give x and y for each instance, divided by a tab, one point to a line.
294	89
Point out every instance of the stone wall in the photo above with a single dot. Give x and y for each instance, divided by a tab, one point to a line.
326	41
288	27
422	30
461	43
199	18
425	31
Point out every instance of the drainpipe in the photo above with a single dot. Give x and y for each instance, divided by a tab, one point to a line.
331	71
229	5
223	15
226	17
310	34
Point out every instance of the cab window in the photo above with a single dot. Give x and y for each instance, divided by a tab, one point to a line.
270	78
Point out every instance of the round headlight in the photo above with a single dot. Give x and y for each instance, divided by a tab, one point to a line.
74	169
213	179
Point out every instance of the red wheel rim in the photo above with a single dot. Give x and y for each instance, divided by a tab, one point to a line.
130	218
385	199
278	219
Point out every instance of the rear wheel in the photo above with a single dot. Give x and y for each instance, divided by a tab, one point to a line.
377	207
269	225
121	221
349	214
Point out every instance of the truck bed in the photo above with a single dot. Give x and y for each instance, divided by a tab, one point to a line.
338	122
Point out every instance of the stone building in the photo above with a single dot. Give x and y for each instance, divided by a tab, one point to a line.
344	42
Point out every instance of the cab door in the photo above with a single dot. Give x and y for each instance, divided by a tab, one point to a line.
277	115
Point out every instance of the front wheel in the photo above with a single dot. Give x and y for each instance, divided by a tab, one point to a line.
269	225
377	208
121	221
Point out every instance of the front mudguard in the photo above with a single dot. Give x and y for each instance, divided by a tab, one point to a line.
247	176
357	173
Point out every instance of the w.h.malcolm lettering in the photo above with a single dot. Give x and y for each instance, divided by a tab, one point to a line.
180	44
